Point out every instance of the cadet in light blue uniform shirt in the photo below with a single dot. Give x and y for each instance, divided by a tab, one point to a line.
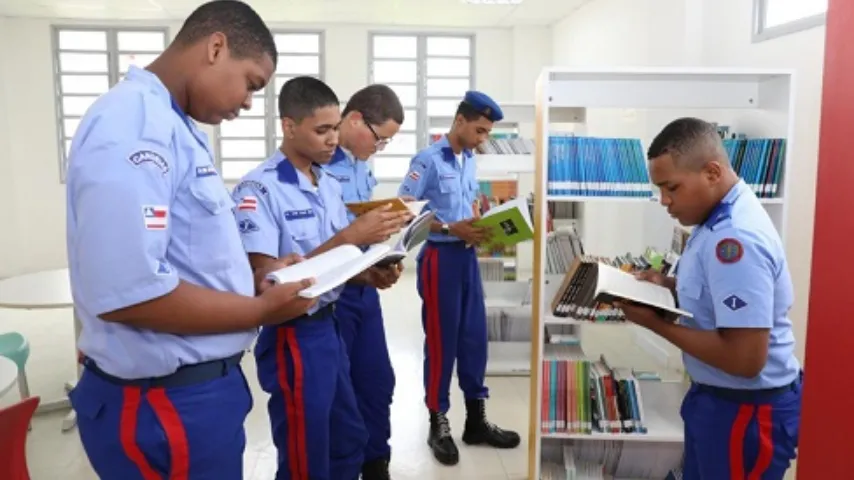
373	116
742	412
454	314
159	279
290	204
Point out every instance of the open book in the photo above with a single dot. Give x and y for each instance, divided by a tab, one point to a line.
397	204
333	268
510	222
590	288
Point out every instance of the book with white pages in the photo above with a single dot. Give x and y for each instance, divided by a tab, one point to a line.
614	285
335	267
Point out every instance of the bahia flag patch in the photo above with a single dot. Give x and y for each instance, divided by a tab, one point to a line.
155	217
414	175
248	203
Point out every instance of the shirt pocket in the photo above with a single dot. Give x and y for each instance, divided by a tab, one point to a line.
305	235
471	190
449	189
211	224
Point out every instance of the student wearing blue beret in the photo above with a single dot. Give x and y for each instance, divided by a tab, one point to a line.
453	312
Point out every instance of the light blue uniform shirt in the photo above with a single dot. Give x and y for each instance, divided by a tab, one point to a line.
356	179
435	175
280	212
146	208
734	274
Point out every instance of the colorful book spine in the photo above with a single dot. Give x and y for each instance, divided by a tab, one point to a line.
604	167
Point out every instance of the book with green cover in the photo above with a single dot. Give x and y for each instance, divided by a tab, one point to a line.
510	222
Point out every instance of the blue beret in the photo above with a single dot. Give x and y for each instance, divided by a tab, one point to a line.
485	105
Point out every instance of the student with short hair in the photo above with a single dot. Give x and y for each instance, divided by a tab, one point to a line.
371	118
290	204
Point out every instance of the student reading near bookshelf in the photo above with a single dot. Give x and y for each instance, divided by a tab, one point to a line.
164	291
453	311
290	205
742	412
370	119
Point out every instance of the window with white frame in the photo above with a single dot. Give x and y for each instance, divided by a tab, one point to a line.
87	62
430	74
774	18
247	141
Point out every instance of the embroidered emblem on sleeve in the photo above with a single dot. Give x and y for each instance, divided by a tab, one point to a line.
729	250
734	303
248	203
144	157
414	175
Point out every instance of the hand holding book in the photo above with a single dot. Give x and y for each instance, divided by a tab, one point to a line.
466	231
376	226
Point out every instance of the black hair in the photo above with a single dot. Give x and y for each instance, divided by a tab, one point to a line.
377	104
468	112
248	35
689	141
301	96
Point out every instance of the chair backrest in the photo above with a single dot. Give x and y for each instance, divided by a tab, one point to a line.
14	423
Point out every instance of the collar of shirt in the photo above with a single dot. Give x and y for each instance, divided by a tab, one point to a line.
287	173
342	155
444	146
723	209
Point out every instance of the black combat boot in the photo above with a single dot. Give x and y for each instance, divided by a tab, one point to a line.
440	440
376	470
479	431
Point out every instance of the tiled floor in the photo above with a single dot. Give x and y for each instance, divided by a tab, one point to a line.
53	455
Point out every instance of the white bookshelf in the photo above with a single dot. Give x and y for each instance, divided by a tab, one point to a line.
637	103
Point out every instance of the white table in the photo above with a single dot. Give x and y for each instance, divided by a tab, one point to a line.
8	375
49	289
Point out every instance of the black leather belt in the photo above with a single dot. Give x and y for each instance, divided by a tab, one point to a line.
748	396
186	375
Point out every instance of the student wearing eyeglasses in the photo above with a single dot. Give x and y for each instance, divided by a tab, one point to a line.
372	116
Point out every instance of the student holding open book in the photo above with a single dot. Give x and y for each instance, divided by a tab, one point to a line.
291	205
453	313
742	412
372	116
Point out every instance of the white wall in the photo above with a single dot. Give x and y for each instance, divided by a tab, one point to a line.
706	33
32	236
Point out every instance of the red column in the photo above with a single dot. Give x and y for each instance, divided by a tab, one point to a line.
827	423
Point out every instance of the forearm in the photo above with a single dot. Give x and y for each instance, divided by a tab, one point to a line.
712	347
193	310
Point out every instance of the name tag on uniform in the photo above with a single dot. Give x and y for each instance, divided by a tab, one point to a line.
299	214
205	171
342	178
448	177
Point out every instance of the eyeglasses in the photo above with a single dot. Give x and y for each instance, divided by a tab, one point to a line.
380	142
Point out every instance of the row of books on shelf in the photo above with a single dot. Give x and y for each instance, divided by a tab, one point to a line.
592	284
590	166
580	396
759	161
563	246
507	144
508	326
617	167
609	459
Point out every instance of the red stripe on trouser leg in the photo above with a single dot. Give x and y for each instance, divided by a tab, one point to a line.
282	371
299	401
179	451
428	326
127	433
766	443
736	442
437	326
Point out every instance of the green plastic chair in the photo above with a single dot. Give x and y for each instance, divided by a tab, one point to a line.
15	347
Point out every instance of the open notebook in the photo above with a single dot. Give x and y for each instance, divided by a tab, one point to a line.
333	268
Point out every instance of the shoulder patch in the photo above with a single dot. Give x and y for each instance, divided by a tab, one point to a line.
729	250
414	175
248	203
734	303
142	157
254	184
247	226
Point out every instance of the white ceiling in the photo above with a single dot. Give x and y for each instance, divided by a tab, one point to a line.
436	13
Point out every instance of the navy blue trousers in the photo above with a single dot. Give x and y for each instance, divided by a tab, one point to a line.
454	319
725	439
317	428
186	433
360	321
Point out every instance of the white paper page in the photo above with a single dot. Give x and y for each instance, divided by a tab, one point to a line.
344	271
619	283
417	229
313	267
416	206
